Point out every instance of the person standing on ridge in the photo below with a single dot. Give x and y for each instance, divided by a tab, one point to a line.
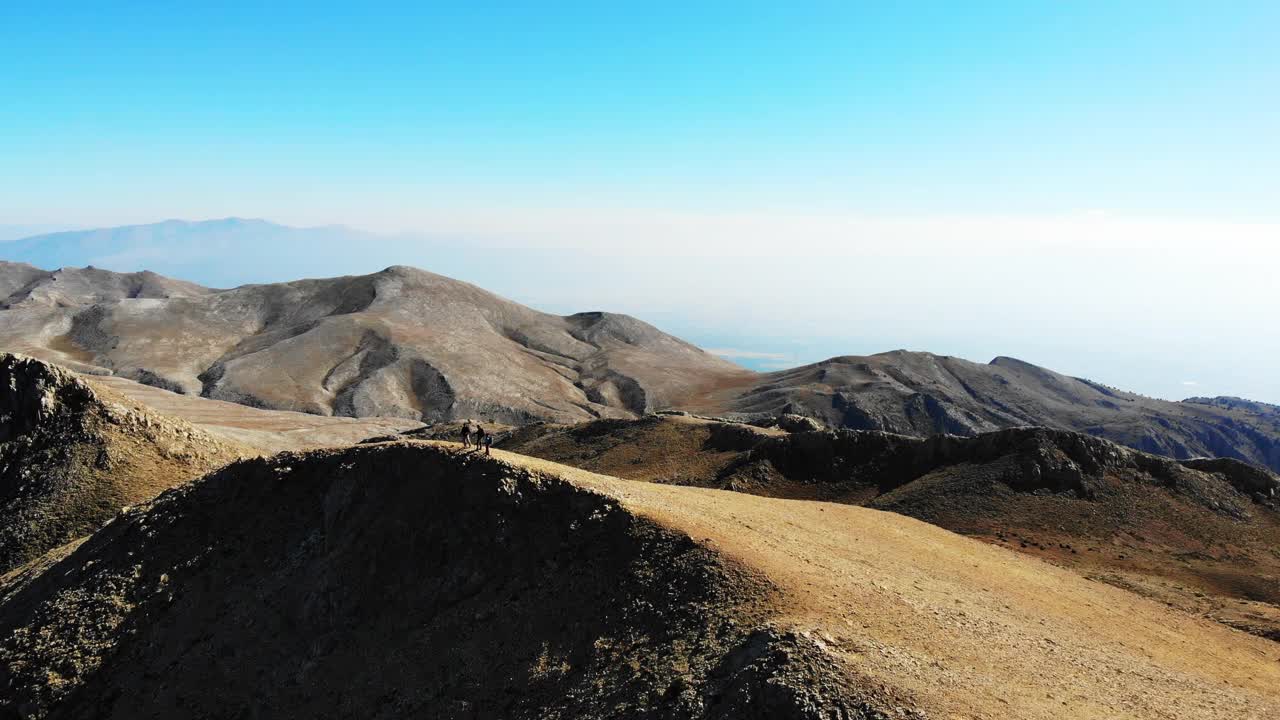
488	443
466	434
482	438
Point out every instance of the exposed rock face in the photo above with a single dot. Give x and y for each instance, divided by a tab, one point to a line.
71	457
390	581
1262	486
791	423
835	464
923	394
402	343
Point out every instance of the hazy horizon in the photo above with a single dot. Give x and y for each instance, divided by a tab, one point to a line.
1092	187
563	277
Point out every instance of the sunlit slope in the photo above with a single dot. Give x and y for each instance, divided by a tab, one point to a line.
383	580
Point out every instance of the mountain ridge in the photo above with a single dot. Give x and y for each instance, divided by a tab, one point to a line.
923	394
185	248
401	342
413	344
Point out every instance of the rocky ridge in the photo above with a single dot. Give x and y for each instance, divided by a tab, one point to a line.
71	456
409	344
924	394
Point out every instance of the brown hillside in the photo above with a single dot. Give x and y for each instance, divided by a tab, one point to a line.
402	342
669	449
408	579
265	430
71	456
1200	535
922	394
410	344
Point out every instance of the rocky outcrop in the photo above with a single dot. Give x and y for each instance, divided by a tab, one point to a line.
1038	460
1262	486
791	423
1208	528
72	456
687	449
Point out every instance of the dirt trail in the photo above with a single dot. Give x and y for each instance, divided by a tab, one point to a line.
966	629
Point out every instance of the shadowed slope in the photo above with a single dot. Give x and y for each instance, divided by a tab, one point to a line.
72	456
395	579
669	449
387	581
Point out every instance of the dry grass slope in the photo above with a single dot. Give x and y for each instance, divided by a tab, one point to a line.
1200	535
408	578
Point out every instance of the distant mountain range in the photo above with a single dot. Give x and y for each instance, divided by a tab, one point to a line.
409	343
181	248
16	232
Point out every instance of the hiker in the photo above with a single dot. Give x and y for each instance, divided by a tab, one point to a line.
466	434
482	438
488	443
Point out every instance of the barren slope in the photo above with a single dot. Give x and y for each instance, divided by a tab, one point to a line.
72	456
410	344
402	342
401	579
16	276
1200	534
265	430
670	449
924	394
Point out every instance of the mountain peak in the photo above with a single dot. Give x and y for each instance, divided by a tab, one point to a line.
403	342
914	393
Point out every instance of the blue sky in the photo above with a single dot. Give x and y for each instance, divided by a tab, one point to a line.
126	110
885	144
